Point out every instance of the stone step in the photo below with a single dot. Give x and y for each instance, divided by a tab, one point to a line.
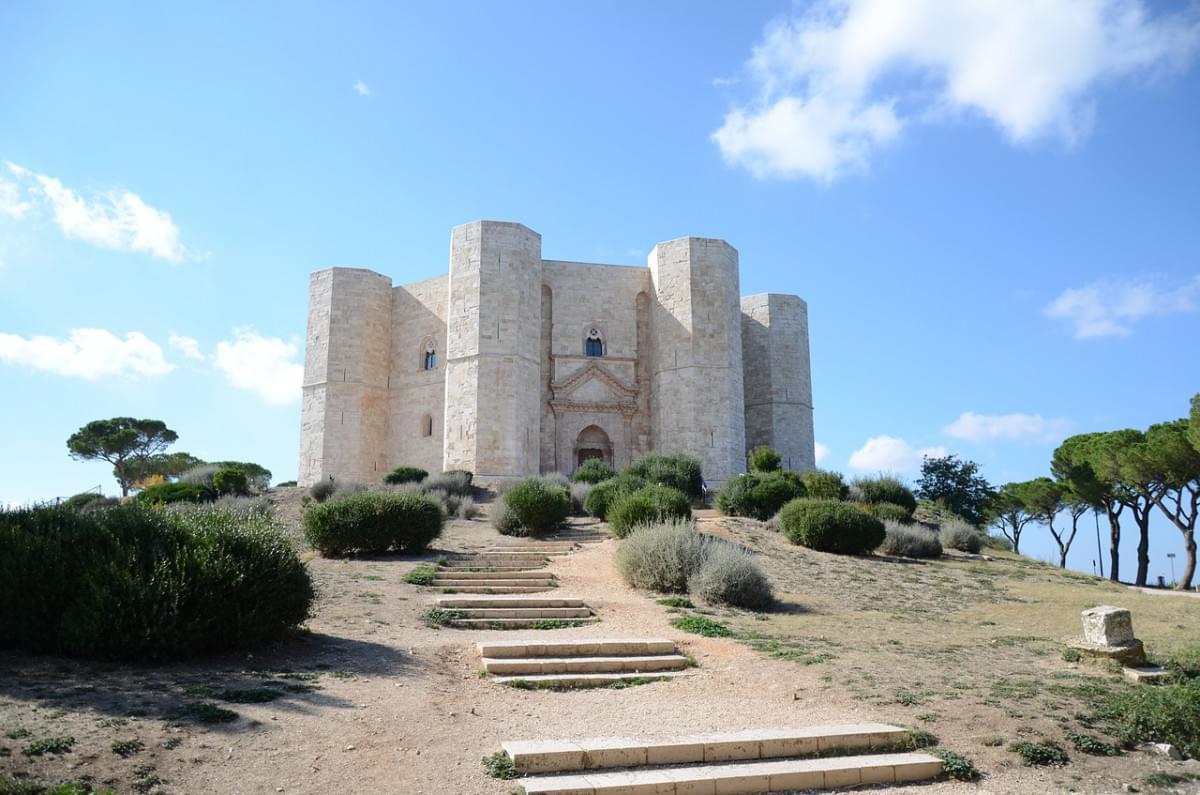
527	574
572	681
483	588
494	569
510	666
746	777
586	647
460	603
516	623
492	581
502	559
523	612
560	756
532	546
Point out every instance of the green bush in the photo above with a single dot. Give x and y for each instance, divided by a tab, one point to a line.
662	557
593	471
1045	753
322	490
538	505
699	625
374	522
283	484
886	488
457	482
603	494
678	471
90	501
167	493
821	484
649	504
764	459
729	576
961	536
831	526
759	495
1162	714
909	541
890	512
465	474
136	583
579	495
405	474
505	521
231	481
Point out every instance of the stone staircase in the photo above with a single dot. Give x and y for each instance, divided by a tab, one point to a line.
775	760
568	663
516	612
496	572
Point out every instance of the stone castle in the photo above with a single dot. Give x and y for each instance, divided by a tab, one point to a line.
511	365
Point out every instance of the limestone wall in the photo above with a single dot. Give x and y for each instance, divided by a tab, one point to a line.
778	382
417	399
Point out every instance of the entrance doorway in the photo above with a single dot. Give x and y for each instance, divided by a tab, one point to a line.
593	443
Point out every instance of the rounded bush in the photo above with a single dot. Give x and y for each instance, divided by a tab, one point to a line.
322	490
405	474
889	511
593	471
677	471
729	576
662	557
830	526
374	522
886	488
764	459
167	493
456	481
505	521
758	495
602	496
231	481
647	505
961	536
579	495
821	484
140	584
538	505
90	501
909	541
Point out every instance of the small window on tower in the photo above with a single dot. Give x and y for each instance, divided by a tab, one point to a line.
430	361
594	344
427	425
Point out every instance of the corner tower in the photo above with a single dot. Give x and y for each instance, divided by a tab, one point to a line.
696	365
778	378
493	366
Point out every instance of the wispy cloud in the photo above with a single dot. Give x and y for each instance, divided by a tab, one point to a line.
822	451
10	200
1110	308
88	353
186	345
845	77
266	366
972	427
890	454
362	89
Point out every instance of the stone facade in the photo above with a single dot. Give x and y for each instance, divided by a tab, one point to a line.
511	365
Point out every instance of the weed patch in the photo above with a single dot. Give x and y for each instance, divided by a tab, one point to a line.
675	601
127	748
500	765
1045	753
206	712
49	745
957	766
421	574
698	625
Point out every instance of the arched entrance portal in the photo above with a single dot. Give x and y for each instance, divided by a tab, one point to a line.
593	442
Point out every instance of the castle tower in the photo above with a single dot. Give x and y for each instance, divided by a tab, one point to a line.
493	357
778	380
347	363
696	373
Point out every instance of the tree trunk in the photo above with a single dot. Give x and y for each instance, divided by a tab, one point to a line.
1114	546
1189	568
1143	523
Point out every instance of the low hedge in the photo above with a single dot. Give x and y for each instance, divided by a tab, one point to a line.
678	471
537	504
143	584
405	474
890	512
822	484
886	488
167	493
909	541
830	526
593	471
374	522
231	481
604	494
651	503
759	495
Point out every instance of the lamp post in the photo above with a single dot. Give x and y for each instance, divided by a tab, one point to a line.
1171	557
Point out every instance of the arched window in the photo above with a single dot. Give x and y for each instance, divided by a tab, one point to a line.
429	362
427	425
594	344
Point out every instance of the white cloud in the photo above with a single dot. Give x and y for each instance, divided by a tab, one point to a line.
1109	308
846	76
822	451
891	454
263	365
10	200
186	345
117	219
362	89
974	427
88	353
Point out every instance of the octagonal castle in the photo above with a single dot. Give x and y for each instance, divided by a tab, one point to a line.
511	365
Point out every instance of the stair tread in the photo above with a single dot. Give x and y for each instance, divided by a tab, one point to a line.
521	623
531	647
463	603
610	676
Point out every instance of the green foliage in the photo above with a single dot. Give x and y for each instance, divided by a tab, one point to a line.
699	625
1044	753
167	493
887	489
421	574
133	583
831	526
1092	745
764	459
404	474
127	748
579	495
231	481
283	484
538	505
322	490
124	442
674	601
1193	433
258	477
603	494
207	712
49	745
374	522
890	512
909	541
823	484
759	495
957	485
90	501
1071	655
458	482
649	504
957	766
500	765
593	471
1162	714
729	576
505	521
23	786
678	471
961	536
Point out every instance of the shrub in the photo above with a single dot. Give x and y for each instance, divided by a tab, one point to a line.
134	583
166	493
603	494
774	524
890	511
662	557
886	488
505	521
405	474
995	542
961	536
593	471
830	526
764	459
1162	714
677	471
457	482
284	484
374	522
199	475
322	490
957	766
90	501
730	576
699	625
758	495
649	504
466	474
821	484
579	495
537	504
467	509
909	541
1044	753
231	481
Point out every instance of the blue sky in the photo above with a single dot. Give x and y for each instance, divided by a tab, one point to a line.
991	210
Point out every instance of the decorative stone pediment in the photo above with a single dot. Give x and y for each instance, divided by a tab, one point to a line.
593	388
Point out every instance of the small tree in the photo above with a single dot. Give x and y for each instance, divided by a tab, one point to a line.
764	459
1046	499
124	442
957	485
1079	462
1009	512
1175	464
167	466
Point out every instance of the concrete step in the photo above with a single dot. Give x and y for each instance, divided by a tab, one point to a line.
461	603
559	756
745	777
483	588
525	559
538	546
494	569
509	666
516	623
524	612
527	574
490	581
572	681
582	647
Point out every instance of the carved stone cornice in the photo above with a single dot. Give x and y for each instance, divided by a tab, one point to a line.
593	370
564	406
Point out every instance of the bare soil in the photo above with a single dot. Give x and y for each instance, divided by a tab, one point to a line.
368	699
